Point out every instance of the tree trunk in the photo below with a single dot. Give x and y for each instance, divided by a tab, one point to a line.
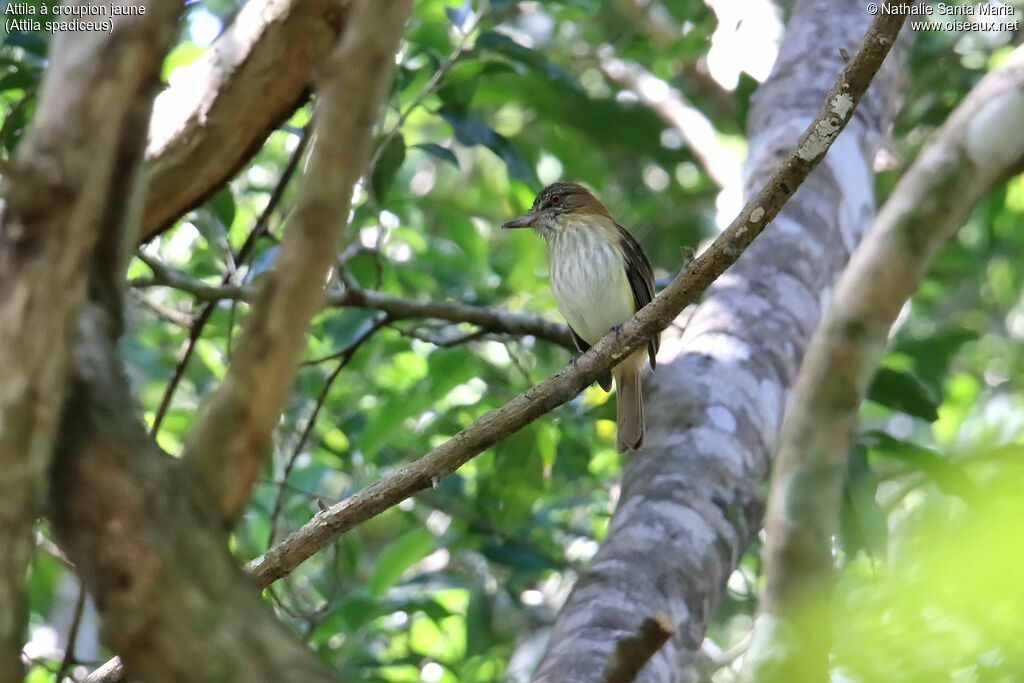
692	500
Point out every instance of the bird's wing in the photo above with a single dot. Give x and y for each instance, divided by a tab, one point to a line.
605	380
641	280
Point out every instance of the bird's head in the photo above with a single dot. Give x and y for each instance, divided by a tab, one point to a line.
560	205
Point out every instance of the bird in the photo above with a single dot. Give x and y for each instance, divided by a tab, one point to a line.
600	277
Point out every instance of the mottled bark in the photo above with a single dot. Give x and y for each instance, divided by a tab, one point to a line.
64	189
221	109
692	500
978	147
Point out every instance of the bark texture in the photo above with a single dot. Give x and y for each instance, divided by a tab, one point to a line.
217	114
62	191
978	147
692	500
172	600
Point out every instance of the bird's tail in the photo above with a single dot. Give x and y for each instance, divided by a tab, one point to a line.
630	404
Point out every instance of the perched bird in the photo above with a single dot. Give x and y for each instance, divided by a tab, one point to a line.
600	277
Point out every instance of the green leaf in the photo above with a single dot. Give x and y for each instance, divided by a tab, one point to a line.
517	556
505	46
22	79
518	478
902	391
479	622
222	206
30	42
471	130
442	153
390	161
950	478
862	521
407	550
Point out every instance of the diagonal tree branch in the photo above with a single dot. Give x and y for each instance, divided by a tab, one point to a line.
980	144
61	191
696	276
205	127
227	444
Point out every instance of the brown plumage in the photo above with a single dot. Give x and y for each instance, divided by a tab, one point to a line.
600	277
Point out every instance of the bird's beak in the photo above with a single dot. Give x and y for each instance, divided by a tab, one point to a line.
525	221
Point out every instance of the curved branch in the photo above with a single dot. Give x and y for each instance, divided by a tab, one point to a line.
225	447
978	146
696	276
205	126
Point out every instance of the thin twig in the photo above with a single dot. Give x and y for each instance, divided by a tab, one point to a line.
345	358
397	308
440	339
69	649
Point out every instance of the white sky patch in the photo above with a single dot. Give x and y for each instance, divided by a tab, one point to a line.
687	173
203	27
671	139
626	97
722	418
466	394
43	643
532	598
747	39
549	169
258	174
389	220
369	235
656	178
177	250
654	89
423	179
581	550
495	353
728	204
431	672
398	250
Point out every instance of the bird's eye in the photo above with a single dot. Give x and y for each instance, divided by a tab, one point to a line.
556	200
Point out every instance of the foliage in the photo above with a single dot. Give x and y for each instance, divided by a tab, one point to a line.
490	102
